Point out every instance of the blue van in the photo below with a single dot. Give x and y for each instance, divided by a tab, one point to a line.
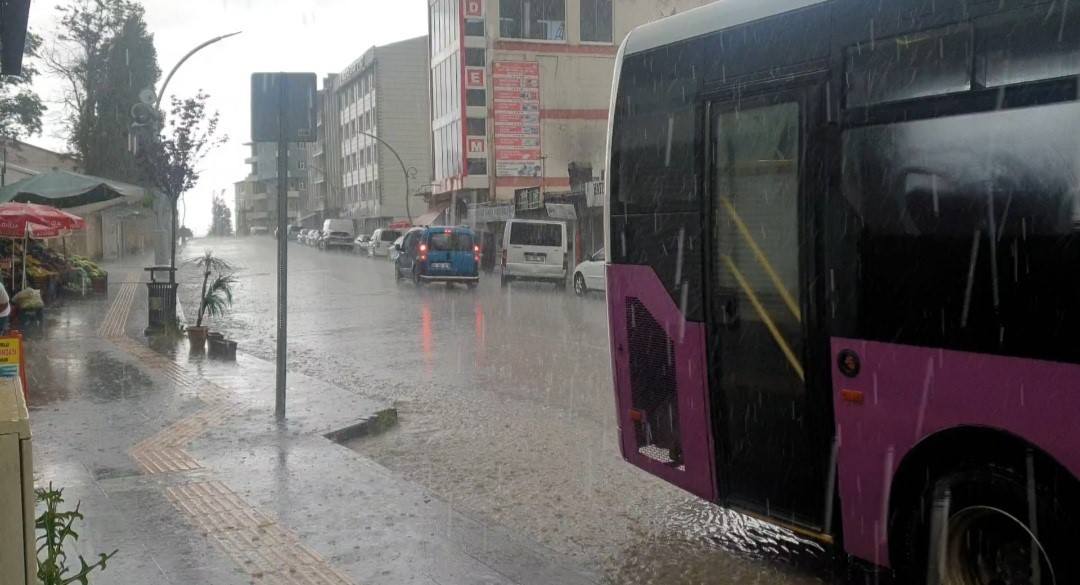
439	254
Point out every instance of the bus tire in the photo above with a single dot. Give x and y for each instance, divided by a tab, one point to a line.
973	525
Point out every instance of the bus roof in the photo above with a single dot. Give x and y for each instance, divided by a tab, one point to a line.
706	19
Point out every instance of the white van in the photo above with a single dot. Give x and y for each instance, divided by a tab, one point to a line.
382	240
535	250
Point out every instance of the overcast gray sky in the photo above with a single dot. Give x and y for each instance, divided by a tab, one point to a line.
322	36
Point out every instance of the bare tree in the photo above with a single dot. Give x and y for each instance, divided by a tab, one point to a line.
171	159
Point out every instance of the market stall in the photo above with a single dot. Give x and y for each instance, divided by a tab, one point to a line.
28	263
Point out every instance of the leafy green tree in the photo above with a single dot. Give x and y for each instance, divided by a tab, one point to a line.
20	106
221	218
105	56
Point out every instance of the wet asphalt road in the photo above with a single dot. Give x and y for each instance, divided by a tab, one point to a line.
506	411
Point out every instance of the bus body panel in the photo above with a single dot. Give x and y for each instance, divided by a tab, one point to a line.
655	351
910	393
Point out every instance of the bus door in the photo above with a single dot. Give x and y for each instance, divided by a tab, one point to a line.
773	434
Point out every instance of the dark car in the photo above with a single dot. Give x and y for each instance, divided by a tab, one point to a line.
439	254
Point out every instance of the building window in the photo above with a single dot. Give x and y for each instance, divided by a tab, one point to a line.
477	166
533	19
301	164
596	21
301	145
476	97
474	27
475	58
476	126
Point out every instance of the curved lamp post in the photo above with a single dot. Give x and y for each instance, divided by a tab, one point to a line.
168	77
404	169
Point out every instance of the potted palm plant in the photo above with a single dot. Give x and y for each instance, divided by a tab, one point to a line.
216	294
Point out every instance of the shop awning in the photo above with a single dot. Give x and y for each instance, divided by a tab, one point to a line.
65	190
431	217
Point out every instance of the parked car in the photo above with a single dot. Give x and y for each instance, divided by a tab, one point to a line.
395	248
362	244
589	274
535	250
336	240
337	233
382	240
438	254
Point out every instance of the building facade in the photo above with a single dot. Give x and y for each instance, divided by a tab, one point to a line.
382	105
327	194
22	161
520	95
259	190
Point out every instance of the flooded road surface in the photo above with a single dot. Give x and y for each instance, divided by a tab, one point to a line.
506	411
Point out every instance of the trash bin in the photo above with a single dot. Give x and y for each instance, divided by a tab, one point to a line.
161	295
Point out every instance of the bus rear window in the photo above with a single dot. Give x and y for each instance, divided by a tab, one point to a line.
452	242
536	234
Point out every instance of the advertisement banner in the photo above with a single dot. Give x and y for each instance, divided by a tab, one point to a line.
517	169
518	129
474	8
474	78
516	107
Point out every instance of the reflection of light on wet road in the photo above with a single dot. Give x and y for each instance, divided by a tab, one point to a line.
479	329
426	333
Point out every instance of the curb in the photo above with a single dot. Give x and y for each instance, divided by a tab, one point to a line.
378	423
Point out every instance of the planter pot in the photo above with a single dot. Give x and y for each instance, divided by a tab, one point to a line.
215	335
101	285
197	337
222	348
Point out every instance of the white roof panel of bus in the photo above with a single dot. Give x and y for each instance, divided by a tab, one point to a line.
706	19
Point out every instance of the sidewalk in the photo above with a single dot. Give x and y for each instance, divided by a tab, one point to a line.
180	464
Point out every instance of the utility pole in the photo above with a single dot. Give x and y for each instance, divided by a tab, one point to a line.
282	251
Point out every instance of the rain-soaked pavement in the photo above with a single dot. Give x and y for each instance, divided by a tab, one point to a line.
505	411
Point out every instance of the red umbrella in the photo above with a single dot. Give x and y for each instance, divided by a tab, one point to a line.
17	215
23	220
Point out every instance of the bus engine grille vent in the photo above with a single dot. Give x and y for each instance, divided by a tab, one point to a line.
655	400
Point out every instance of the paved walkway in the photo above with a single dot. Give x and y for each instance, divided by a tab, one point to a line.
179	463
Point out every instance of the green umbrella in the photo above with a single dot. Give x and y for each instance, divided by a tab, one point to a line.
61	189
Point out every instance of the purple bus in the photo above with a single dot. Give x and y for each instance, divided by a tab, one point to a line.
843	275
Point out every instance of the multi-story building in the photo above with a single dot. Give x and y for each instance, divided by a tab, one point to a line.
327	194
382	101
520	93
260	188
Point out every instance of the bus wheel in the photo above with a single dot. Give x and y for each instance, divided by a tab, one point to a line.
989	525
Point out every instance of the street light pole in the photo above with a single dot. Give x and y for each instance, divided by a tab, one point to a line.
161	94
404	169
